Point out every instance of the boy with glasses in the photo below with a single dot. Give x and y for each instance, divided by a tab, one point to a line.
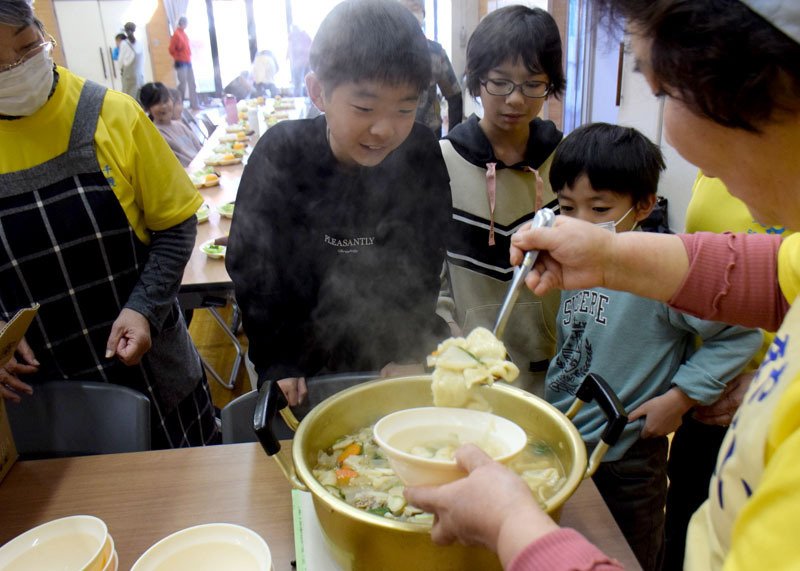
513	65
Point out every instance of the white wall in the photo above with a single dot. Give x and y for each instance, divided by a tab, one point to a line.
639	108
603	102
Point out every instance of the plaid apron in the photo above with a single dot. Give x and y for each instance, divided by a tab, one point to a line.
66	244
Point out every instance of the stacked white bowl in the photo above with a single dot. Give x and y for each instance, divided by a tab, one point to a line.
79	542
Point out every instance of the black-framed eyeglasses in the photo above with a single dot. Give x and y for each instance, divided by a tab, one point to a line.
46	45
505	87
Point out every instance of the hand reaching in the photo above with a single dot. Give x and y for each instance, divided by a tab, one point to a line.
22	363
294	389
721	412
129	338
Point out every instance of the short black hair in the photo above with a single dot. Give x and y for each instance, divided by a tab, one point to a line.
175	95
371	40
152	94
620	159
529	35
724	61
121	36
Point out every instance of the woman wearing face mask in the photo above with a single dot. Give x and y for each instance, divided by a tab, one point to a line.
131	60
98	223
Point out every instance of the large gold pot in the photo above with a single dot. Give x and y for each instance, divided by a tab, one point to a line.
362	541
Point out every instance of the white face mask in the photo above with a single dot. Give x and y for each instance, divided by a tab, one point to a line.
25	88
612	226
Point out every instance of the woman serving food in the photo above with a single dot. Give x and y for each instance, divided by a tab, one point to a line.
98	223
695	54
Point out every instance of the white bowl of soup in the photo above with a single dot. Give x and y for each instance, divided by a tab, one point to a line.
79	543
208	547
420	442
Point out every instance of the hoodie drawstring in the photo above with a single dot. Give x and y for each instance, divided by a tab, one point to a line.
539	189
491	190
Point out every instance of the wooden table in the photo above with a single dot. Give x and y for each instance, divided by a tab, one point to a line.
204	274
146	496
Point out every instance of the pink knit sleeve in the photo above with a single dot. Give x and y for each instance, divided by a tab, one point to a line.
732	278
562	550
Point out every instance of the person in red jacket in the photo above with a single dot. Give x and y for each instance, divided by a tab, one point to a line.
182	54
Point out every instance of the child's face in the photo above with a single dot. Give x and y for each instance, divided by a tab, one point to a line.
511	113
162	112
367	120
177	109
596	206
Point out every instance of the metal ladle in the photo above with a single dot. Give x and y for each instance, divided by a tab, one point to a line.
544	218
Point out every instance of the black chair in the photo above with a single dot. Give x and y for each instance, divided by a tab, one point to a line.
78	418
237	415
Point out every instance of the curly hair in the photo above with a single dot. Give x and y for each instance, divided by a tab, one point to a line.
724	61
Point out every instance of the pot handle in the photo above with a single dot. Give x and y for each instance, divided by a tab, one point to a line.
595	387
270	401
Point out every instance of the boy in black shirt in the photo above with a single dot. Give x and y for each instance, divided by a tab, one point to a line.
337	244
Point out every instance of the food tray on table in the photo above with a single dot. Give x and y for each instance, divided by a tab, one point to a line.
240	137
218	160
226	210
205	178
212	250
202	213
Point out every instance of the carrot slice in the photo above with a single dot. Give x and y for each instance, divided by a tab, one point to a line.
352	449
344	475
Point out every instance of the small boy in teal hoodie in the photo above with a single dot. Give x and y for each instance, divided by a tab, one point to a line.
608	175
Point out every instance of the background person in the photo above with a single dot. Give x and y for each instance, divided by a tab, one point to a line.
429	111
181	52
98	224
118	39
298	54
265	66
179	113
157	103
131	60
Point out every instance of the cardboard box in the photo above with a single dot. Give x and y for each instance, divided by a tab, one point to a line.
8	452
10	337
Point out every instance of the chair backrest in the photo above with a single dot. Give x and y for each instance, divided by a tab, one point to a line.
237	415
208	123
75	418
237	419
